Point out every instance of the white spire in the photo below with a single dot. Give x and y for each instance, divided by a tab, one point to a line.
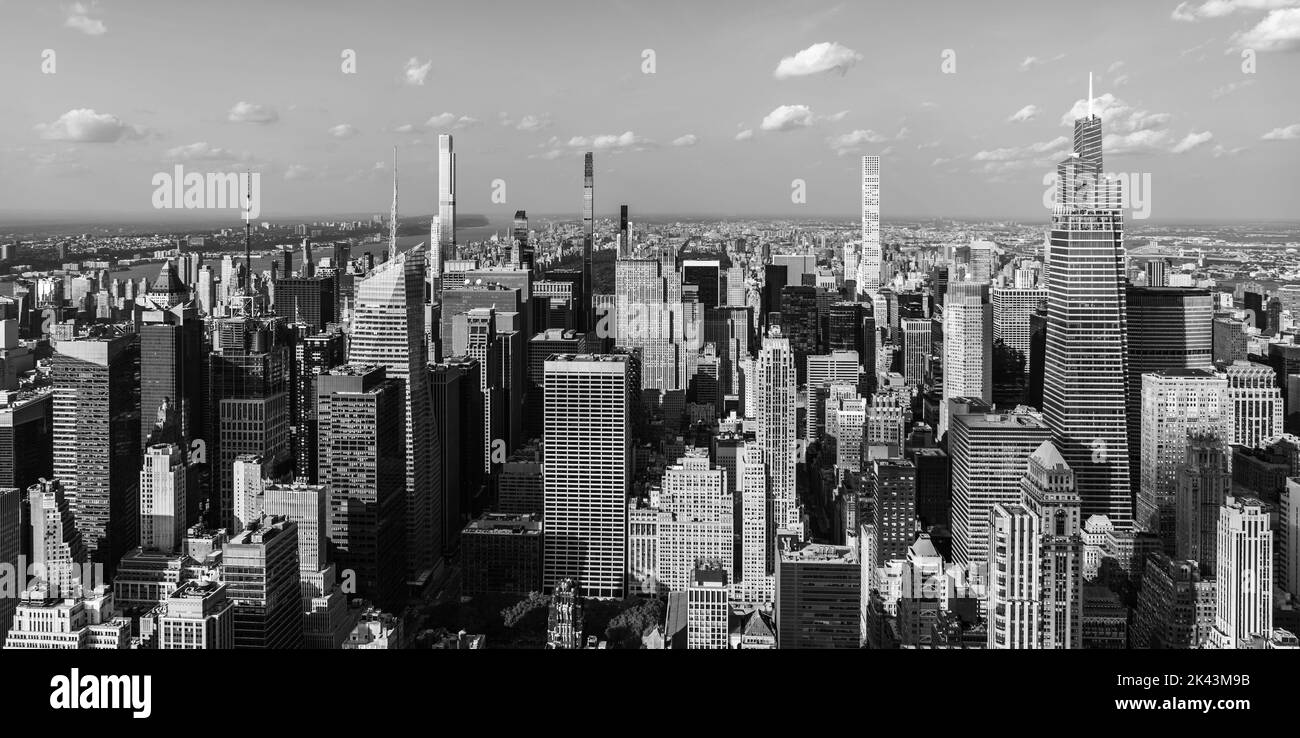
1089	94
392	218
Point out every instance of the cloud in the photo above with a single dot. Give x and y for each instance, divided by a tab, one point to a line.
1032	61
1219	150
415	71
1189	12
818	58
1191	141
298	171
614	143
246	112
939	162
450	121
787	118
1029	112
745	135
847	143
1058	147
204	151
1278	31
86	126
79	18
689	139
626	141
527	122
407	128
929	145
343	130
1114	67
1288	133
1230	88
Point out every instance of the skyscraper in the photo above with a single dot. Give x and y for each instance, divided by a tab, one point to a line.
1202	484
1011	310
362	457
1015	591
776	390
869	265
445	247
388	332
967	346
260	568
1167	328
1048	492
917	342
1085	364
96	439
1245	571
989	452
163	495
586	313
587	471
1256	403
1175	403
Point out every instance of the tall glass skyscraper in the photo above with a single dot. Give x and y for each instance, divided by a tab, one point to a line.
1084	367
388	331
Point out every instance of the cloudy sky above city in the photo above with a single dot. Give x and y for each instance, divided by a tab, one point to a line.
968	104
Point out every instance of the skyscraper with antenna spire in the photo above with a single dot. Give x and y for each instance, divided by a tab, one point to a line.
1086	350
587	316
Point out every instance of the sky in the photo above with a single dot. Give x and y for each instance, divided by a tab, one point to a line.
692	108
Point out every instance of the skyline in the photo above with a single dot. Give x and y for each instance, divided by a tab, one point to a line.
814	98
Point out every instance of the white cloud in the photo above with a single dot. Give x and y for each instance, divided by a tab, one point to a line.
528	122
1032	61
79	18
626	141
450	121
745	135
1288	133
689	139
787	118
415	71
1190	12
1230	88
86	126
940	162
614	143
1029	112
246	112
406	128
298	171
929	145
343	130
852	141
1058	147
1278	31
203	151
822	57
1220	150
1114	67
1191	141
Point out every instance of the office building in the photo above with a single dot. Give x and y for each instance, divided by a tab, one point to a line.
388	332
586	472
502	553
1245	572
260	569
96	444
818	590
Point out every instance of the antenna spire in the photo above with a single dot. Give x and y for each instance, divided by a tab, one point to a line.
1089	94
392	218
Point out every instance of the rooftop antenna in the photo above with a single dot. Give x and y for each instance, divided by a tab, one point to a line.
392	218
1089	94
